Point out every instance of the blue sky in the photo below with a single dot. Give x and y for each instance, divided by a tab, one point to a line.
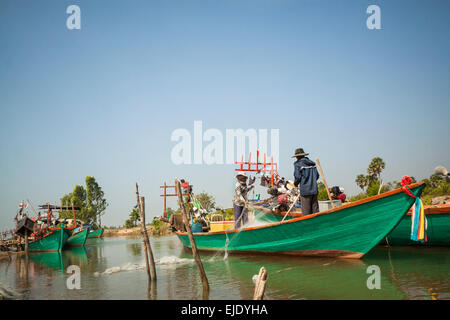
104	100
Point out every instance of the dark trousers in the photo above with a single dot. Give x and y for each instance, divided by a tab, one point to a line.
240	216
309	204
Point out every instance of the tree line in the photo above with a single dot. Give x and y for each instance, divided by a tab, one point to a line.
371	184
90	199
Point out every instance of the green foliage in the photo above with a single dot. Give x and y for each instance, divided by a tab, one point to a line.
156	223
169	211
91	202
228	214
362	181
206	201
375	167
134	216
426	200
78	199
129	224
96	202
323	194
436	185
371	182
372	190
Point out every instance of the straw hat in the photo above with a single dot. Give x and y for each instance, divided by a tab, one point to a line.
241	174
299	152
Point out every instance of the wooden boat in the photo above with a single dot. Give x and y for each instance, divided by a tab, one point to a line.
53	240
95	233
78	238
438	218
348	231
438	228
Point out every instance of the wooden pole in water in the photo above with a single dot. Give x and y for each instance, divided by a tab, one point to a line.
260	286
192	240
26	241
325	182
143	234
146	238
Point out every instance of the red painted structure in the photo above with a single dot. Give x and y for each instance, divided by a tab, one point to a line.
257	166
186	186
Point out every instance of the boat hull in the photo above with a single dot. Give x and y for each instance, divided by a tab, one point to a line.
78	239
95	234
349	231
438	228
51	242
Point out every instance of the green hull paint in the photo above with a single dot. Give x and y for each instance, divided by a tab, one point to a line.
52	242
438	231
78	239
268	217
51	260
349	232
95	234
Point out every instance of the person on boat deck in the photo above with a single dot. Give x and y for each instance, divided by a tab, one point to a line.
240	200
337	193
306	176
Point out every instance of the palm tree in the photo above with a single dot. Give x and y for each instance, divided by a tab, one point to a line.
375	167
362	181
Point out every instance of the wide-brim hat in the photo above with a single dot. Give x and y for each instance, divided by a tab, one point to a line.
242	174
299	152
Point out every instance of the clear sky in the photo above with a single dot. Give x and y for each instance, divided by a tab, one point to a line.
104	100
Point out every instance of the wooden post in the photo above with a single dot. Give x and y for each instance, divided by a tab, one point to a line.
146	239
165	210
260	286
192	240
142	232
26	241
325	183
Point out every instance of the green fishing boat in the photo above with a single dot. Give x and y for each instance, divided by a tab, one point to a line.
348	231
438	220
438	228
95	233
53	240
78	238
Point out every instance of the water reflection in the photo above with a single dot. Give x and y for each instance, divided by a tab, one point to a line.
406	273
135	248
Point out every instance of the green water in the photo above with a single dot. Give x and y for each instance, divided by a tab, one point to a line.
113	268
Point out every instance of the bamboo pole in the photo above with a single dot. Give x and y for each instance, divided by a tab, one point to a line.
192	240
325	182
147	264
260	286
146	238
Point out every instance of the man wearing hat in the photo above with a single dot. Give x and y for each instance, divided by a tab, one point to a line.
240	200
306	175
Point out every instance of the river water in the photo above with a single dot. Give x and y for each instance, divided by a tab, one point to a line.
114	268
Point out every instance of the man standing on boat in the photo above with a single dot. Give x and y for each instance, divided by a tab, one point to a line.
240	200
306	175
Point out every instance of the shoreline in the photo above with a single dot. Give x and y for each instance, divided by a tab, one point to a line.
136	231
